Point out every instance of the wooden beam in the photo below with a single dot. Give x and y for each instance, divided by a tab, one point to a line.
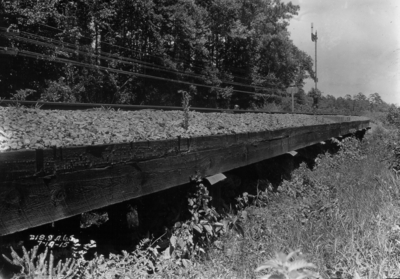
42	186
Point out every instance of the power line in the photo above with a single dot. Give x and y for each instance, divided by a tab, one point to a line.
120	59
141	53
121	47
40	56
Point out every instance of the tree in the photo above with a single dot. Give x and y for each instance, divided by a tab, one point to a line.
375	100
228	45
328	103
300	97
361	101
315	94
349	102
360	97
393	116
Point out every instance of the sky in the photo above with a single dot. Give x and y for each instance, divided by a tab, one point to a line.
358	47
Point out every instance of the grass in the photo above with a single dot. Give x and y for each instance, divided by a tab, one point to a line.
344	216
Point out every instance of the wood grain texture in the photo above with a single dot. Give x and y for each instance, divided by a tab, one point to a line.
17	164
42	186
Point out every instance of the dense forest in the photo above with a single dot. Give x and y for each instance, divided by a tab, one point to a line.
223	52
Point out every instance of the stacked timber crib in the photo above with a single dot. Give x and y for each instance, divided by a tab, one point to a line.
39	186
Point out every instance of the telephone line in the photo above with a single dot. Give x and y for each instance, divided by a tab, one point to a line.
36	55
140	52
87	54
121	47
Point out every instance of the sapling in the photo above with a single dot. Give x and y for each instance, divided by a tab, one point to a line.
21	95
185	104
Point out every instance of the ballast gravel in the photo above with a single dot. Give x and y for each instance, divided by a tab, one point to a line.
30	128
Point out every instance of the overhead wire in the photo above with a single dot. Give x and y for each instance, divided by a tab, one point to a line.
114	58
130	50
150	55
41	56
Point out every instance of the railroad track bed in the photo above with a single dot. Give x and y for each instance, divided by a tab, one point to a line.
29	128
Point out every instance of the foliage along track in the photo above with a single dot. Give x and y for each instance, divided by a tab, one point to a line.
61	180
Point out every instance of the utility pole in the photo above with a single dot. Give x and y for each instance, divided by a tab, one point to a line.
314	38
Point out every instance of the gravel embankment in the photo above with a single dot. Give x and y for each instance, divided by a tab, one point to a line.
26	128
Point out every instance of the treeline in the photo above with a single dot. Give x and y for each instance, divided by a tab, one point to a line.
223	52
357	104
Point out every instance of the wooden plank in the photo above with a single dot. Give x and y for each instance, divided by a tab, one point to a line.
17	164
79	179
63	160
41	201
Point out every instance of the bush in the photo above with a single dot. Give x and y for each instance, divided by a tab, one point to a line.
60	91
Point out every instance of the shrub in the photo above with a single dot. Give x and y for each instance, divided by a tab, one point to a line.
393	116
60	91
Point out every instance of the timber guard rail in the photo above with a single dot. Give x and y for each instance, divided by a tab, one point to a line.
45	185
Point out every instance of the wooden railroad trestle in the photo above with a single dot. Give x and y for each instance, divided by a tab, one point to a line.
42	186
